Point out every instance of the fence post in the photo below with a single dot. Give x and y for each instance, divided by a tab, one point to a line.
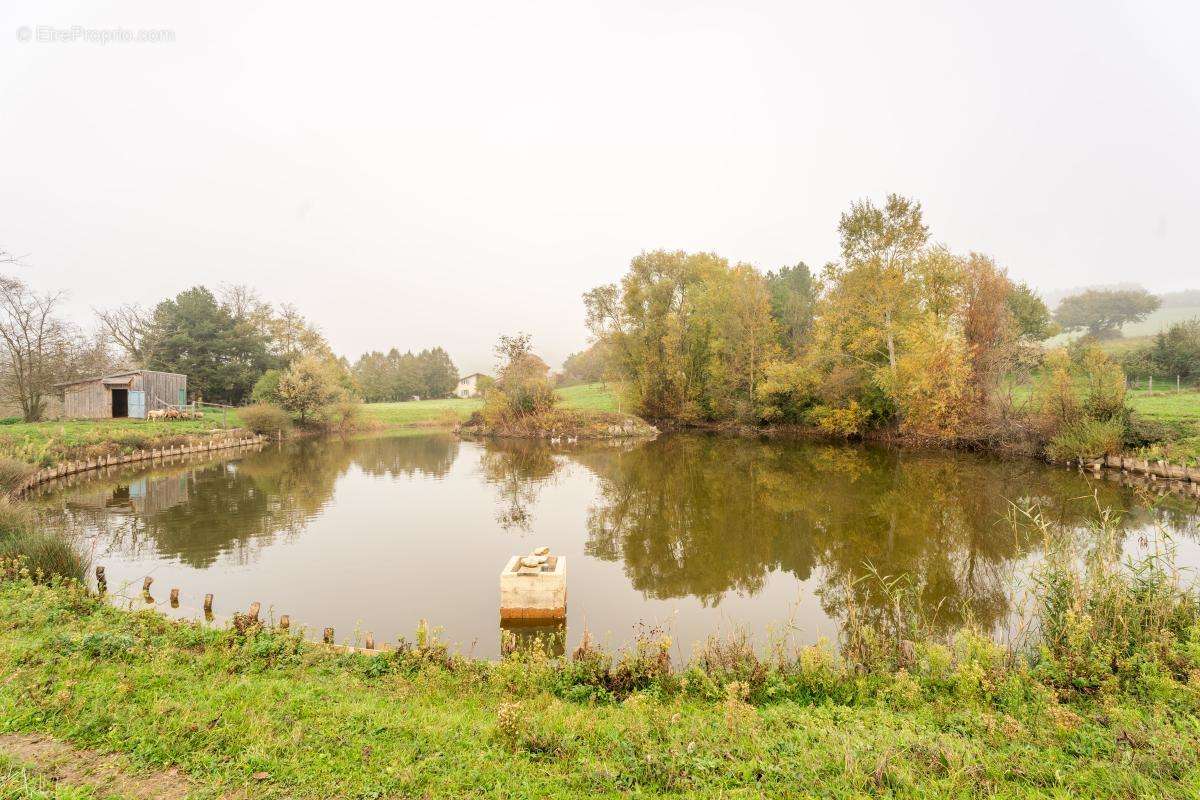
1151	389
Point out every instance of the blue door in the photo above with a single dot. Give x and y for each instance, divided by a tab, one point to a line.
137	404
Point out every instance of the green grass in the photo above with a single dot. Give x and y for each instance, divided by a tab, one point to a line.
445	413
226	706
421	412
47	442
589	397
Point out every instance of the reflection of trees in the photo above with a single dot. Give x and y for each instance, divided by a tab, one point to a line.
427	454
518	469
697	515
198	513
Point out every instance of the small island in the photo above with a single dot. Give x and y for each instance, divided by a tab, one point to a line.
521	404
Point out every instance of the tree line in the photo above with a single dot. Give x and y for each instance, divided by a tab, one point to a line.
396	376
900	333
232	344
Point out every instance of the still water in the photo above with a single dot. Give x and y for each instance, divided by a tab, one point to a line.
693	534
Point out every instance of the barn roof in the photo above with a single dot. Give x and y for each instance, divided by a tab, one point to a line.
115	377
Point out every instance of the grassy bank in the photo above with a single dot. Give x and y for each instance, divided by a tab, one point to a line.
46	443
1104	704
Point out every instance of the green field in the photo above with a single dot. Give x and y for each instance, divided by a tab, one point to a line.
45	443
1137	333
439	413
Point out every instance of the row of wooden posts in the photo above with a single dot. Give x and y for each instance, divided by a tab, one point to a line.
65	468
1151	469
252	613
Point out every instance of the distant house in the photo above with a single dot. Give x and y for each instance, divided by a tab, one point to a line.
123	394
469	386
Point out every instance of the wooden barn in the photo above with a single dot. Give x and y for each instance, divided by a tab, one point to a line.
123	394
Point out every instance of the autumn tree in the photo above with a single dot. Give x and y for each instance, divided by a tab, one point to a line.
735	304
521	388
586	366
1102	312
688	334
873	290
308	385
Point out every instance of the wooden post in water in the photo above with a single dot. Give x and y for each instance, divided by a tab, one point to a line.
175	598
370	641
328	637
253	612
146	584
285	622
208	604
101	583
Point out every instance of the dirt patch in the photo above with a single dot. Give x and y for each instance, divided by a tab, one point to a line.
63	763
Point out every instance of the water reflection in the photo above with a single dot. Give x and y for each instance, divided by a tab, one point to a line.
703	516
196	514
688	524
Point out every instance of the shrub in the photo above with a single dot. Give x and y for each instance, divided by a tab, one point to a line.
1087	438
46	555
342	416
1080	404
16	519
265	419
786	391
12	473
266	388
1103	621
848	421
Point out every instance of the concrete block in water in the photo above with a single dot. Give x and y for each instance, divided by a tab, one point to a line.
534	592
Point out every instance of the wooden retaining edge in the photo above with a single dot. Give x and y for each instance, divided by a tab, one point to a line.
64	468
1177	476
283	624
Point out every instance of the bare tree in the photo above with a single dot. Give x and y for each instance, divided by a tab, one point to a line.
242	301
126	325
34	345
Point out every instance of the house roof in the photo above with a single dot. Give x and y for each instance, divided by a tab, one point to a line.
472	375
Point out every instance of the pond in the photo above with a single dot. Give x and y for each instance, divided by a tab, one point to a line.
693	534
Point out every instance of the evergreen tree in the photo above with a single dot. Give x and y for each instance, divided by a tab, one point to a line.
195	335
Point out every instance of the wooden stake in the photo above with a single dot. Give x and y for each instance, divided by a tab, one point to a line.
146	584
370	642
101	582
285	622
328	637
208	603
175	598
254	609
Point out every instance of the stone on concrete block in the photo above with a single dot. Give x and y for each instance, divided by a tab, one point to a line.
534	592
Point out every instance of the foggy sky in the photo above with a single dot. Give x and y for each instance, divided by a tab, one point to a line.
439	173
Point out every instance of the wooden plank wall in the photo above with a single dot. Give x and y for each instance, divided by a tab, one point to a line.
162	388
87	401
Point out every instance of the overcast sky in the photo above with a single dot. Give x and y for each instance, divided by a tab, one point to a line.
416	174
